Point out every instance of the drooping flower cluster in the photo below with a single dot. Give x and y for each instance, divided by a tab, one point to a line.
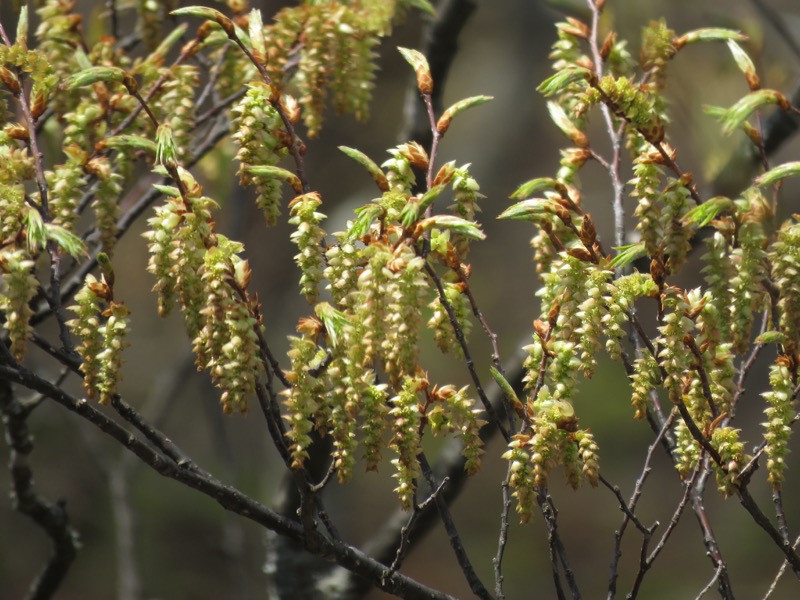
258	132
309	238
18	286
102	325
779	414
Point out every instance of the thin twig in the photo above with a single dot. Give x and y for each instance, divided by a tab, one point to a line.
453	536
228	497
497	562
773	586
50	517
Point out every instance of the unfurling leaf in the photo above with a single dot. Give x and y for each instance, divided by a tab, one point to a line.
710	34
94	75
628	254
444	121
455	224
532	209
334	321
772	337
365	161
277	173
789	169
703	214
420	64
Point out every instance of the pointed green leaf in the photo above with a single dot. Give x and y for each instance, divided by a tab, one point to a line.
66	240
789	169
702	215
744	108
366	215
772	337
35	230
506	388
422	5
334	320
555	83
532	209
415	58
455	224
22	27
430	197
529	188
444	121
743	60
277	173
94	75
711	34
559	116
168	190
256	32
628	254
130	142
365	161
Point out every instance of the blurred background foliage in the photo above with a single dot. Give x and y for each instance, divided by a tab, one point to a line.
187	547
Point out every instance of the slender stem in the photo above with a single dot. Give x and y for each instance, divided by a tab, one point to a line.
487	405
614	135
503	539
453	536
228	497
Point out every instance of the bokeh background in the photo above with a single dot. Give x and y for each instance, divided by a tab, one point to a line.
188	547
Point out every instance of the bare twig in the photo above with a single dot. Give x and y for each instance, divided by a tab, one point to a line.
50	517
503	539
453	536
228	497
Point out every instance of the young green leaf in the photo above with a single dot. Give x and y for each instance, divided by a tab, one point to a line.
94	75
420	65
455	224
443	123
204	12
334	320
35	231
532	209
423	5
66	240
555	83
22	27
130	142
366	215
506	388
168	190
365	161
529	188
559	116
772	337
703	214
745	64
744	108
789	169
256	33
277	173
710	34
628	254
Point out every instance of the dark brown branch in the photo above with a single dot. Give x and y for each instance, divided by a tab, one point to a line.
453	536
228	497
51	517
440	47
